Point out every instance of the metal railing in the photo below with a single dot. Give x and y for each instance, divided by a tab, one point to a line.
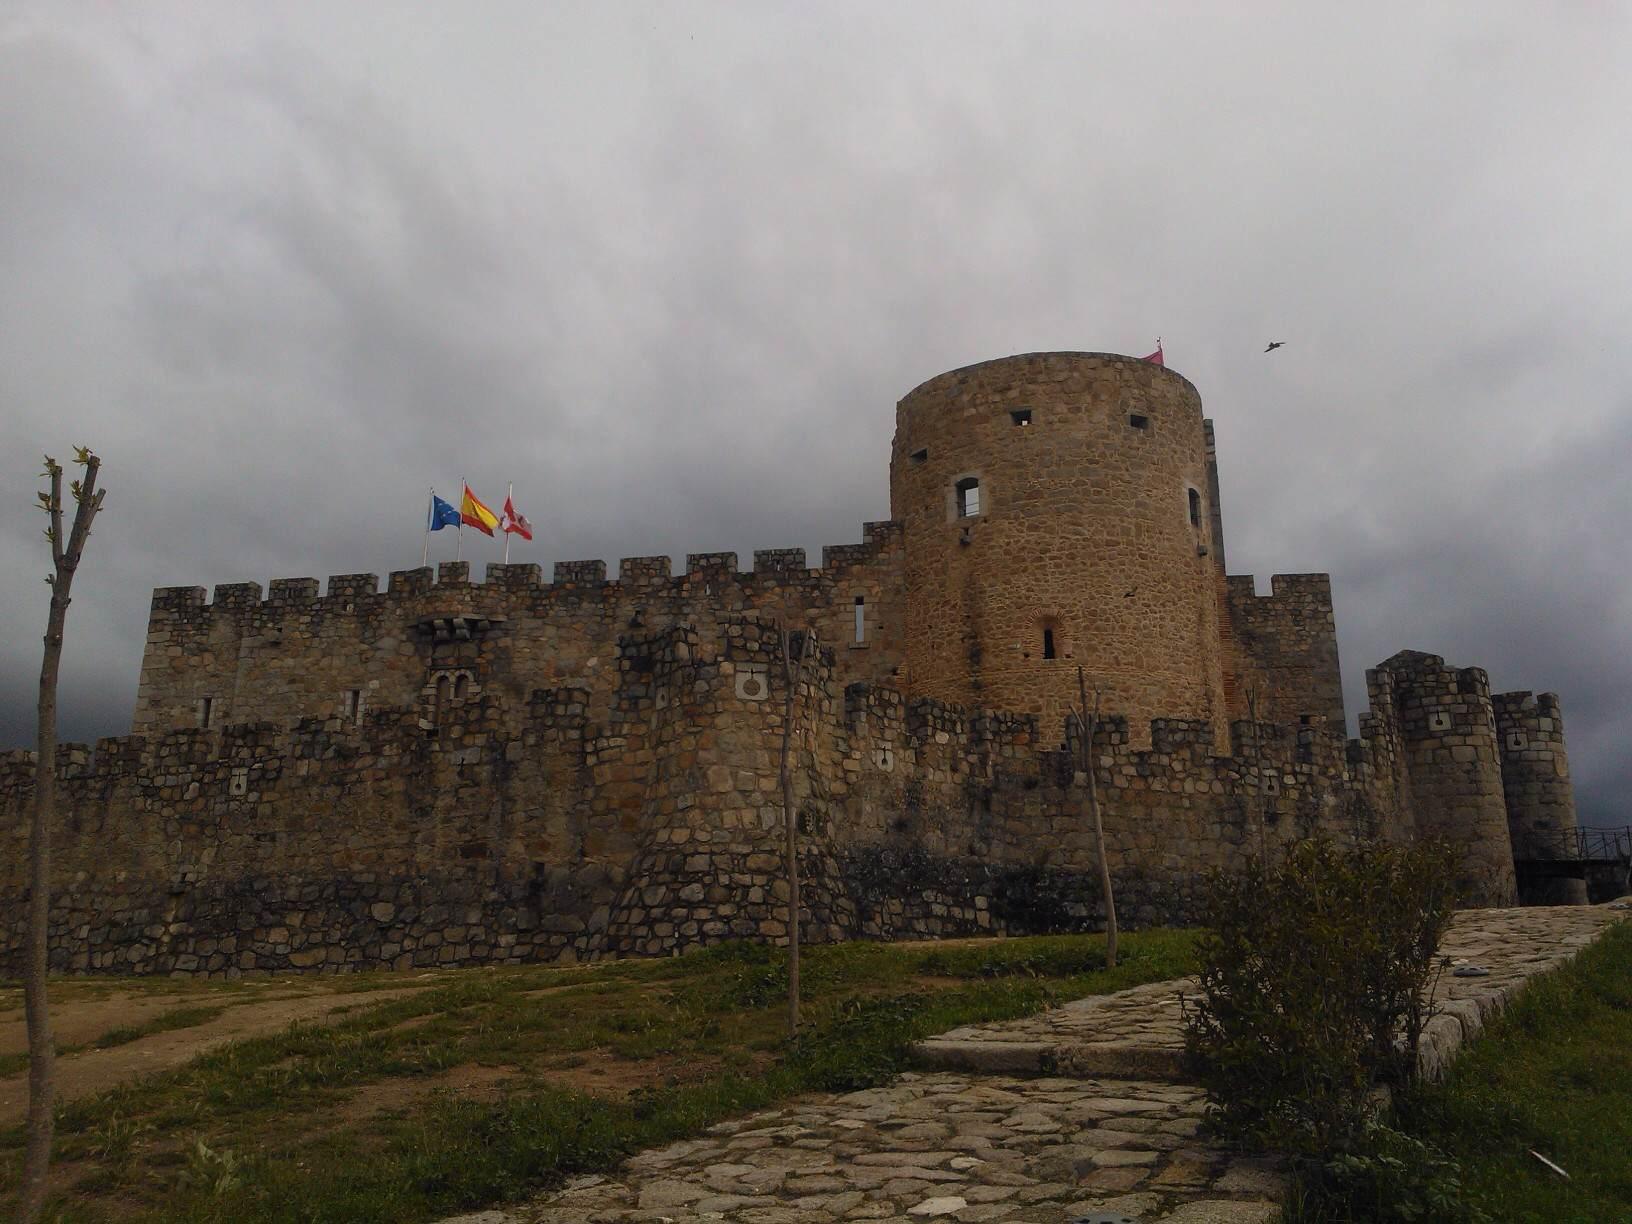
1589	845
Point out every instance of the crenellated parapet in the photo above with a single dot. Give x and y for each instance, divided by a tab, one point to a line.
299	652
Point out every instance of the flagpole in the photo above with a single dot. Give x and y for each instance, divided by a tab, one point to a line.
509	492
430	510
459	545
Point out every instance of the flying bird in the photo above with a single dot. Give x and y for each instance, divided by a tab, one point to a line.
1273	345
1128	594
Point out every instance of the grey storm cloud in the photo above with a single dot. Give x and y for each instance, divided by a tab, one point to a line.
667	268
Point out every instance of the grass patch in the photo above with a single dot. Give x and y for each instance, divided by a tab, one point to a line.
1553	1074
257	1130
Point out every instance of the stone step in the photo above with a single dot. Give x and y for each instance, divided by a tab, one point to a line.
1138	1034
1073	1059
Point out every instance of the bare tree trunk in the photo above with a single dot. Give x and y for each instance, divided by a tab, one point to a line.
1259	806
41	1047
1090	723
792	673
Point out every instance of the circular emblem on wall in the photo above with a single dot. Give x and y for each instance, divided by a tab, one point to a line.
752	682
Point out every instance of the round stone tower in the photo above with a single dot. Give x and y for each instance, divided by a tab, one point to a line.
1055	512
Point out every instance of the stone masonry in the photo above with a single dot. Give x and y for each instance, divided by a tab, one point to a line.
451	772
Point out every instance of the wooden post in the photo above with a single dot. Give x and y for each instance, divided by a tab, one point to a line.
792	673
1259	806
1089	723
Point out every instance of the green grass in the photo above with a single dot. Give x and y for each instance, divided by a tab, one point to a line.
259	1130
1553	1074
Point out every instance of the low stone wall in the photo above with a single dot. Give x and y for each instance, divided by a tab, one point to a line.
344	923
332	924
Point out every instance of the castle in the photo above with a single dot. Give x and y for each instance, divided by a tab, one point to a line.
449	772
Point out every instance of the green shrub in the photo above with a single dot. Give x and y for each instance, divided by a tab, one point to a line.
1389	1176
1312	975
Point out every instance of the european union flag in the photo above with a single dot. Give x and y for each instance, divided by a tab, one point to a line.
442	514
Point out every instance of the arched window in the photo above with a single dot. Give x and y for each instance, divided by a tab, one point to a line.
968	497
444	689
1048	641
461	686
1195	508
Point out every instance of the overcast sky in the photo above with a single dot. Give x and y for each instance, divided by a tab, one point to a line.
669	267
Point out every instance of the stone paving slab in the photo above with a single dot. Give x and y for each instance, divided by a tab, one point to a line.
1139	1033
938	1146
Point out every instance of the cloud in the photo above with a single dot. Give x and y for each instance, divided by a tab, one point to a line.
669	269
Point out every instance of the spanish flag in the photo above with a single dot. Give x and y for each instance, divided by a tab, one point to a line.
473	512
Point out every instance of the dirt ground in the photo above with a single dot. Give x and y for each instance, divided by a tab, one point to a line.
82	1015
85	1009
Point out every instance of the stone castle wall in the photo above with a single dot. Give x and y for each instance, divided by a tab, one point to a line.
1285	645
494	833
296	653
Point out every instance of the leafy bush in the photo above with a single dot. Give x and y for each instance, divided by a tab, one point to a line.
1312	976
1389	1176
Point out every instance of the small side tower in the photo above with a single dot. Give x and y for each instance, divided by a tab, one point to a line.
1056	511
1540	796
1448	730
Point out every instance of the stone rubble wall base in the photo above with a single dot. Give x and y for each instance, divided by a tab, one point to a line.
671	901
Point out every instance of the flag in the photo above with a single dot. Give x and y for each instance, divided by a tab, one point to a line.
515	523
1156	357
442	514
473	512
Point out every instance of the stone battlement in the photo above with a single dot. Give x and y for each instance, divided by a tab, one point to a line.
343	590
298	652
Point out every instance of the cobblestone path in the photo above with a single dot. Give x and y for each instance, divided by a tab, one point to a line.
1138	1033
985	1143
